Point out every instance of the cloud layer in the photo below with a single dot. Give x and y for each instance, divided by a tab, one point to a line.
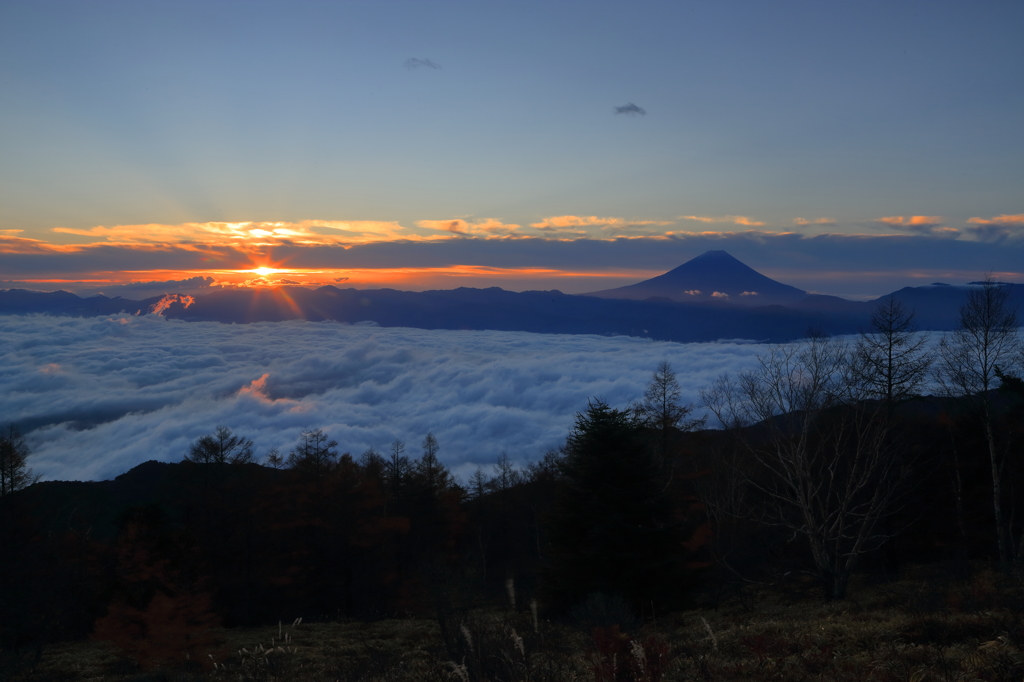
103	395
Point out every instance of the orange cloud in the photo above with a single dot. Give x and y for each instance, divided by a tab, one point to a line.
912	221
1007	220
164	303
998	228
817	221
735	219
243	235
562	221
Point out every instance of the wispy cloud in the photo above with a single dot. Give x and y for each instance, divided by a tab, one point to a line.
630	109
488	226
416	63
914	222
920	224
563	221
998	228
735	219
816	221
244	235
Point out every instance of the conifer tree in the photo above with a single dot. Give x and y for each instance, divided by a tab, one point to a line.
613	530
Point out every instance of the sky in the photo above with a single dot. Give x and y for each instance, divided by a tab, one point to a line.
97	396
849	148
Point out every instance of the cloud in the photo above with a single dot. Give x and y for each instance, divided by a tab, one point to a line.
100	395
164	303
920	224
488	226
735	219
563	221
246	235
817	221
630	109
415	63
572	259
997	229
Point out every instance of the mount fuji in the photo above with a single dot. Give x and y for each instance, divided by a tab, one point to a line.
712	276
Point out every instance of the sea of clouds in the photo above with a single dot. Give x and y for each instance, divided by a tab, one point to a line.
97	396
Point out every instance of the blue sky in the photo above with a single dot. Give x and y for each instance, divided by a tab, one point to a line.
134	131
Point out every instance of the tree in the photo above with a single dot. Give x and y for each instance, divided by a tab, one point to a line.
477	484
14	472
223	447
660	408
891	363
613	529
316	454
432	473
506	476
396	470
984	344
274	460
825	466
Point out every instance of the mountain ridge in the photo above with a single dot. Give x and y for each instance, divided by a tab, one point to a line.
764	318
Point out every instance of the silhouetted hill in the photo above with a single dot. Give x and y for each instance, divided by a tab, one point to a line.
23	301
711	276
548	312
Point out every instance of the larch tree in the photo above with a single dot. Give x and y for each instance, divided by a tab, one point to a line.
315	454
222	447
985	343
14	472
662	409
891	362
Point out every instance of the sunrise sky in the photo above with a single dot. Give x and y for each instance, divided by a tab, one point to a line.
843	147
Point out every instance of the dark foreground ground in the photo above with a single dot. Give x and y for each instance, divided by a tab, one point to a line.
928	625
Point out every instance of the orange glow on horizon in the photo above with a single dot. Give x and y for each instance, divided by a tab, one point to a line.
266	276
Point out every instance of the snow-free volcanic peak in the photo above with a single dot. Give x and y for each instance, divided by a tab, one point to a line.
711	276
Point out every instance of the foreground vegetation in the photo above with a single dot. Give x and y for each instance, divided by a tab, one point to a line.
926	626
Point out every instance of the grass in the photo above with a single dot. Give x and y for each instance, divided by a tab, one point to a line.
922	628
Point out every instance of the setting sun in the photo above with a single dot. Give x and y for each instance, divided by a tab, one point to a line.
264	272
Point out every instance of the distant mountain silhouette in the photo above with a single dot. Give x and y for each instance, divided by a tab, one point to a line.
545	312
713	276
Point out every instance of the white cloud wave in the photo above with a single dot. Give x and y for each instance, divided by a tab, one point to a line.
106	394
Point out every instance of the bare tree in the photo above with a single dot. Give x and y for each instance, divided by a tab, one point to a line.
891	362
429	467
824	467
397	469
14	472
661	408
223	447
970	359
477	484
273	459
506	476
315	454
